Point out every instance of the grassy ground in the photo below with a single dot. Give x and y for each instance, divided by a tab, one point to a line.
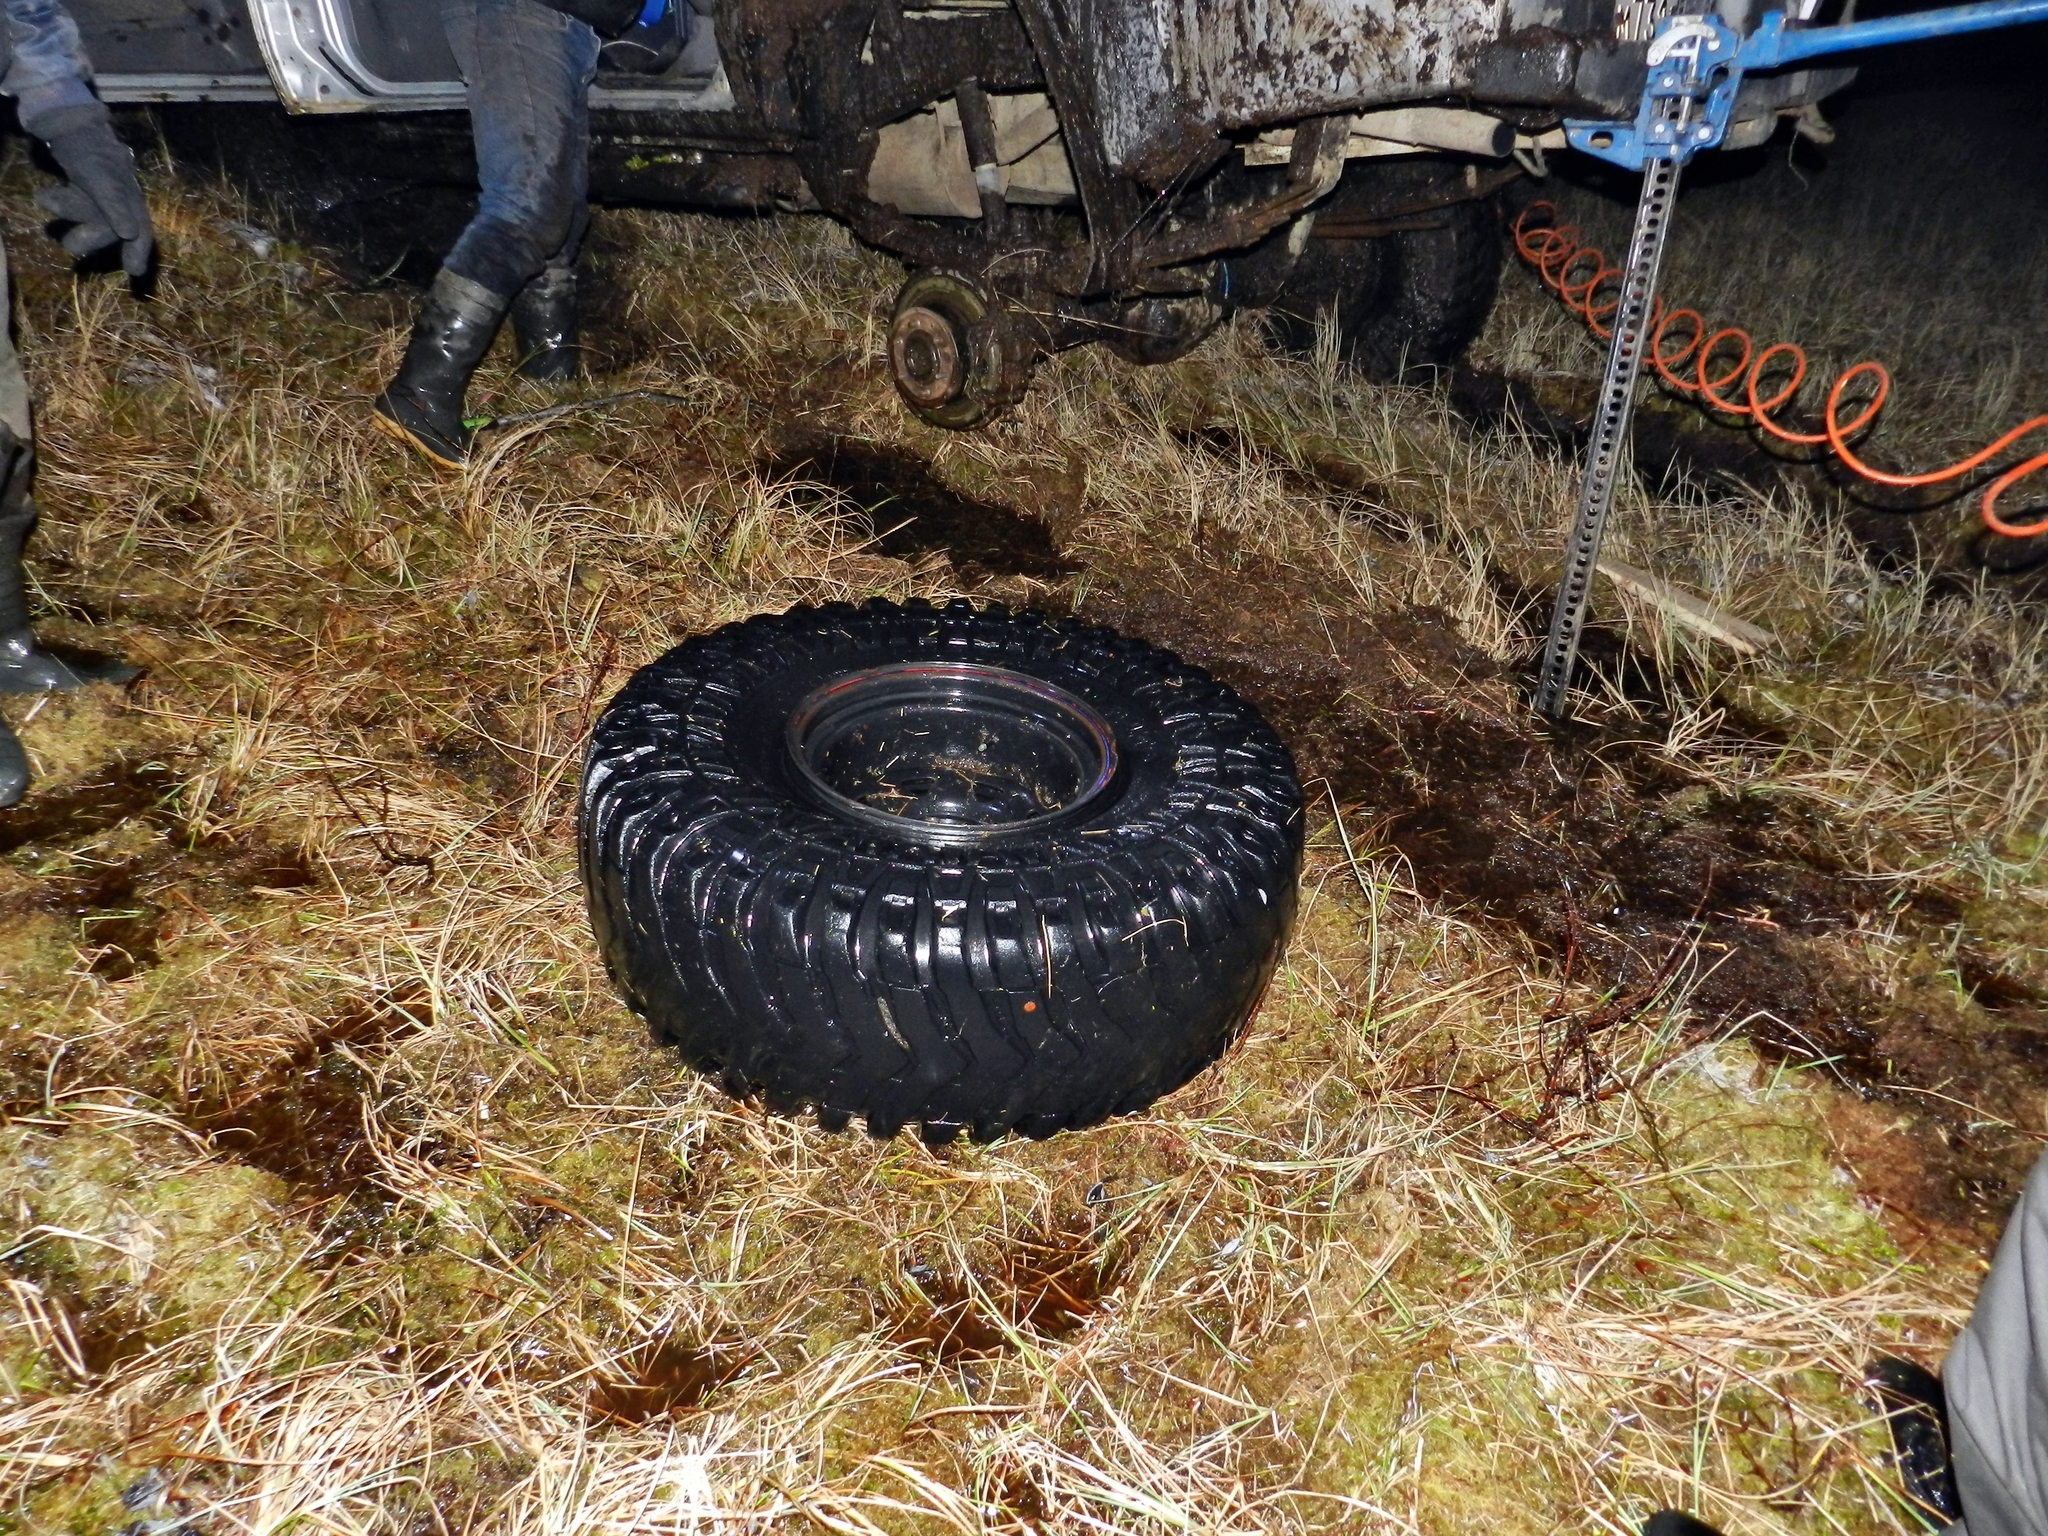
341	1194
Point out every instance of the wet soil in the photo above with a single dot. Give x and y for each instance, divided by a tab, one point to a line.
305	1120
1613	865
103	800
910	513
671	1377
106	1327
1047	1284
118	904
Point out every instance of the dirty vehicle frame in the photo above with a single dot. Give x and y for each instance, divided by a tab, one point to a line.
1054	172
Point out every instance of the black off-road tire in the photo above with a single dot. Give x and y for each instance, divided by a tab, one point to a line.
1034	975
1405	305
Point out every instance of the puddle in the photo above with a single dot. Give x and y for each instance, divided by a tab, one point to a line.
119	929
1019	1498
108	1335
304	1120
111	796
1990	987
912	514
481	768
672	1377
1037	1285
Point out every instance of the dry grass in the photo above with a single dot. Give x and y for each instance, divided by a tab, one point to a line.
1404	1262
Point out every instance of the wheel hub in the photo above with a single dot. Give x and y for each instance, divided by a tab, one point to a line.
930	363
951	753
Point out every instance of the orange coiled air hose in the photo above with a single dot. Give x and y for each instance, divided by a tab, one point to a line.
1581	277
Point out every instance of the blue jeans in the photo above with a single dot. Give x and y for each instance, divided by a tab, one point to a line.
529	70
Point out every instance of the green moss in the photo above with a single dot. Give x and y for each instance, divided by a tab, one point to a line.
1753	1214
136	1256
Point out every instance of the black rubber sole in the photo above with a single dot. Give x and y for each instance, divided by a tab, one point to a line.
398	418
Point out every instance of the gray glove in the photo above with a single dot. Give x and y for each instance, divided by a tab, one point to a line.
103	200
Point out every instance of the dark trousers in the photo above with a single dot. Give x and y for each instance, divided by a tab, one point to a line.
529	70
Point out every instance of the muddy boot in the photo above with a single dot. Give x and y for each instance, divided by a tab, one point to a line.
1916	1409
544	326
13	768
1672	1522
423	405
25	667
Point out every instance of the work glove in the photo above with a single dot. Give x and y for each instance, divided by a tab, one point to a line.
610	18
650	46
103	201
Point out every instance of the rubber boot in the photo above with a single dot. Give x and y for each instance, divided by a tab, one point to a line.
544	326
1673	1522
25	667
13	768
422	406
1916	1408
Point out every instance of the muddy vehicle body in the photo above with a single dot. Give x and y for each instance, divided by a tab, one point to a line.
1053	172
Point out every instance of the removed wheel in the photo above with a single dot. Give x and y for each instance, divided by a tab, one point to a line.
976	870
1404	305
959	358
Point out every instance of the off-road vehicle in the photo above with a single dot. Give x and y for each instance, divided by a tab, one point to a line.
1053	172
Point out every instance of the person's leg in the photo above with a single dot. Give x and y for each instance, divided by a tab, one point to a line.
17	511
25	667
1996	1381
544	316
14	408
544	312
14	531
529	70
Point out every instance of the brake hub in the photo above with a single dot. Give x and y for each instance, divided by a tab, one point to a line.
926	352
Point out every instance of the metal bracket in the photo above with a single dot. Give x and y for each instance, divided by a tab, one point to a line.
1699	59
1693	68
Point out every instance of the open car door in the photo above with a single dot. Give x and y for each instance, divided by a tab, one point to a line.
337	56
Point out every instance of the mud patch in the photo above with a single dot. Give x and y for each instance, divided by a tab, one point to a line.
306	1120
119	907
118	927
1044	1284
672	1377
910	514
1606	859
103	800
96	1331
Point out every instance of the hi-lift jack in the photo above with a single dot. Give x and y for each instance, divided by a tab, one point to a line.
1696	65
